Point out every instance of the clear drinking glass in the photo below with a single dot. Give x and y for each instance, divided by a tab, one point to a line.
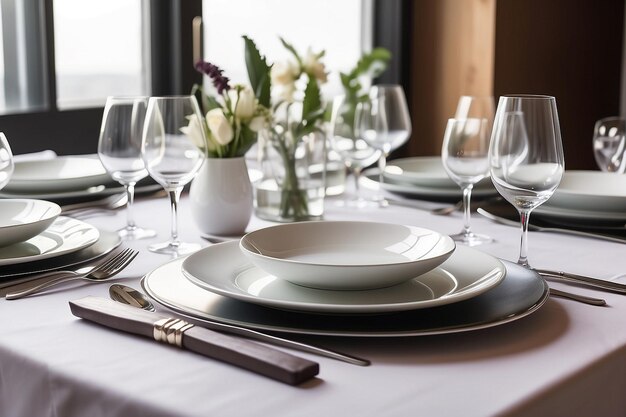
119	149
353	150
609	137
476	107
172	157
6	161
465	157
526	155
384	123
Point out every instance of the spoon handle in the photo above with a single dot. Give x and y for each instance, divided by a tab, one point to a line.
279	341
577	297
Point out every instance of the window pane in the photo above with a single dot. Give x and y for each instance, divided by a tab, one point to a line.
99	51
337	26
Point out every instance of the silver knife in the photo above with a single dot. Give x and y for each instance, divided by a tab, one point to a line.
582	279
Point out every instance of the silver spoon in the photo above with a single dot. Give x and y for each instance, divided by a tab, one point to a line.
127	295
130	296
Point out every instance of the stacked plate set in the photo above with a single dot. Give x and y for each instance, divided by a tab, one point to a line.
66	179
347	279
422	177
34	236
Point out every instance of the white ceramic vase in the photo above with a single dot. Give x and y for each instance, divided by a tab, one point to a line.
221	197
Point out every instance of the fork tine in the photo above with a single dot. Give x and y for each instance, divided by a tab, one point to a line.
110	261
124	259
115	260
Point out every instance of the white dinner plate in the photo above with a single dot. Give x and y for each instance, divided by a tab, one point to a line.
345	255
575	214
65	235
22	219
424	171
370	179
591	191
521	293
63	173
224	270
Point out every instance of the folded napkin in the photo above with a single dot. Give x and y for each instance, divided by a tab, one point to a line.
237	351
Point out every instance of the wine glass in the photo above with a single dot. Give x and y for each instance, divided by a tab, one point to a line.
351	148
119	149
526	155
172	157
465	157
609	135
6	161
384	123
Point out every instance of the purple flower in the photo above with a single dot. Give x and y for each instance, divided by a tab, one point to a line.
219	81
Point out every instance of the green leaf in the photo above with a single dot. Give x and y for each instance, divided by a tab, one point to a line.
373	62
205	101
312	101
258	72
291	49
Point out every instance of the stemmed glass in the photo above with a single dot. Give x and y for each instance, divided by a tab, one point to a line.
476	107
6	161
173	157
609	137
465	155
526	155
384	123
351	148
119	149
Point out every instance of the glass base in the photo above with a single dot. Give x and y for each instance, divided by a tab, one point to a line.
358	203
174	248
136	233
471	239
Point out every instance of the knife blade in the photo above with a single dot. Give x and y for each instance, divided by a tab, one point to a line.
246	354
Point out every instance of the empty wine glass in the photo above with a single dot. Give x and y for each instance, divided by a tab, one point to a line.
6	161
172	157
384	123
119	149
465	157
526	155
351	148
609	137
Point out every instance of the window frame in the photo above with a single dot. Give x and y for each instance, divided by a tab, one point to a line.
75	131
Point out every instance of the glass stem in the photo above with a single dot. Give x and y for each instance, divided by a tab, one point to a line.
174	197
356	172
382	164
467	208
523	250
130	198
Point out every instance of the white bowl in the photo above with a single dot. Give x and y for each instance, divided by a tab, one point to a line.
346	255
21	219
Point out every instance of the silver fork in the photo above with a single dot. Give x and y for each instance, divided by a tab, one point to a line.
102	272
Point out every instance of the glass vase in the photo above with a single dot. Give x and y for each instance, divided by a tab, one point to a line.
294	178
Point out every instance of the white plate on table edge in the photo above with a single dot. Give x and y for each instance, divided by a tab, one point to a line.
224	270
101	190
370	179
521	293
575	214
65	235
17	273
425	171
590	191
22	219
63	173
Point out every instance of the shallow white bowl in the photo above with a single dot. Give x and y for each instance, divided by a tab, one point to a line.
63	173
346	255
424	171
590	190
21	219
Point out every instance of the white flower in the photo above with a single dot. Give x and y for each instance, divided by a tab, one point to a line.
195	131
284	73
313	66
257	123
243	101
219	126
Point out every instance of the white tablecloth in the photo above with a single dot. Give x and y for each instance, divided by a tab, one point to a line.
566	359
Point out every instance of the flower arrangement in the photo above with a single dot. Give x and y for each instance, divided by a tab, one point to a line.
233	118
298	114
